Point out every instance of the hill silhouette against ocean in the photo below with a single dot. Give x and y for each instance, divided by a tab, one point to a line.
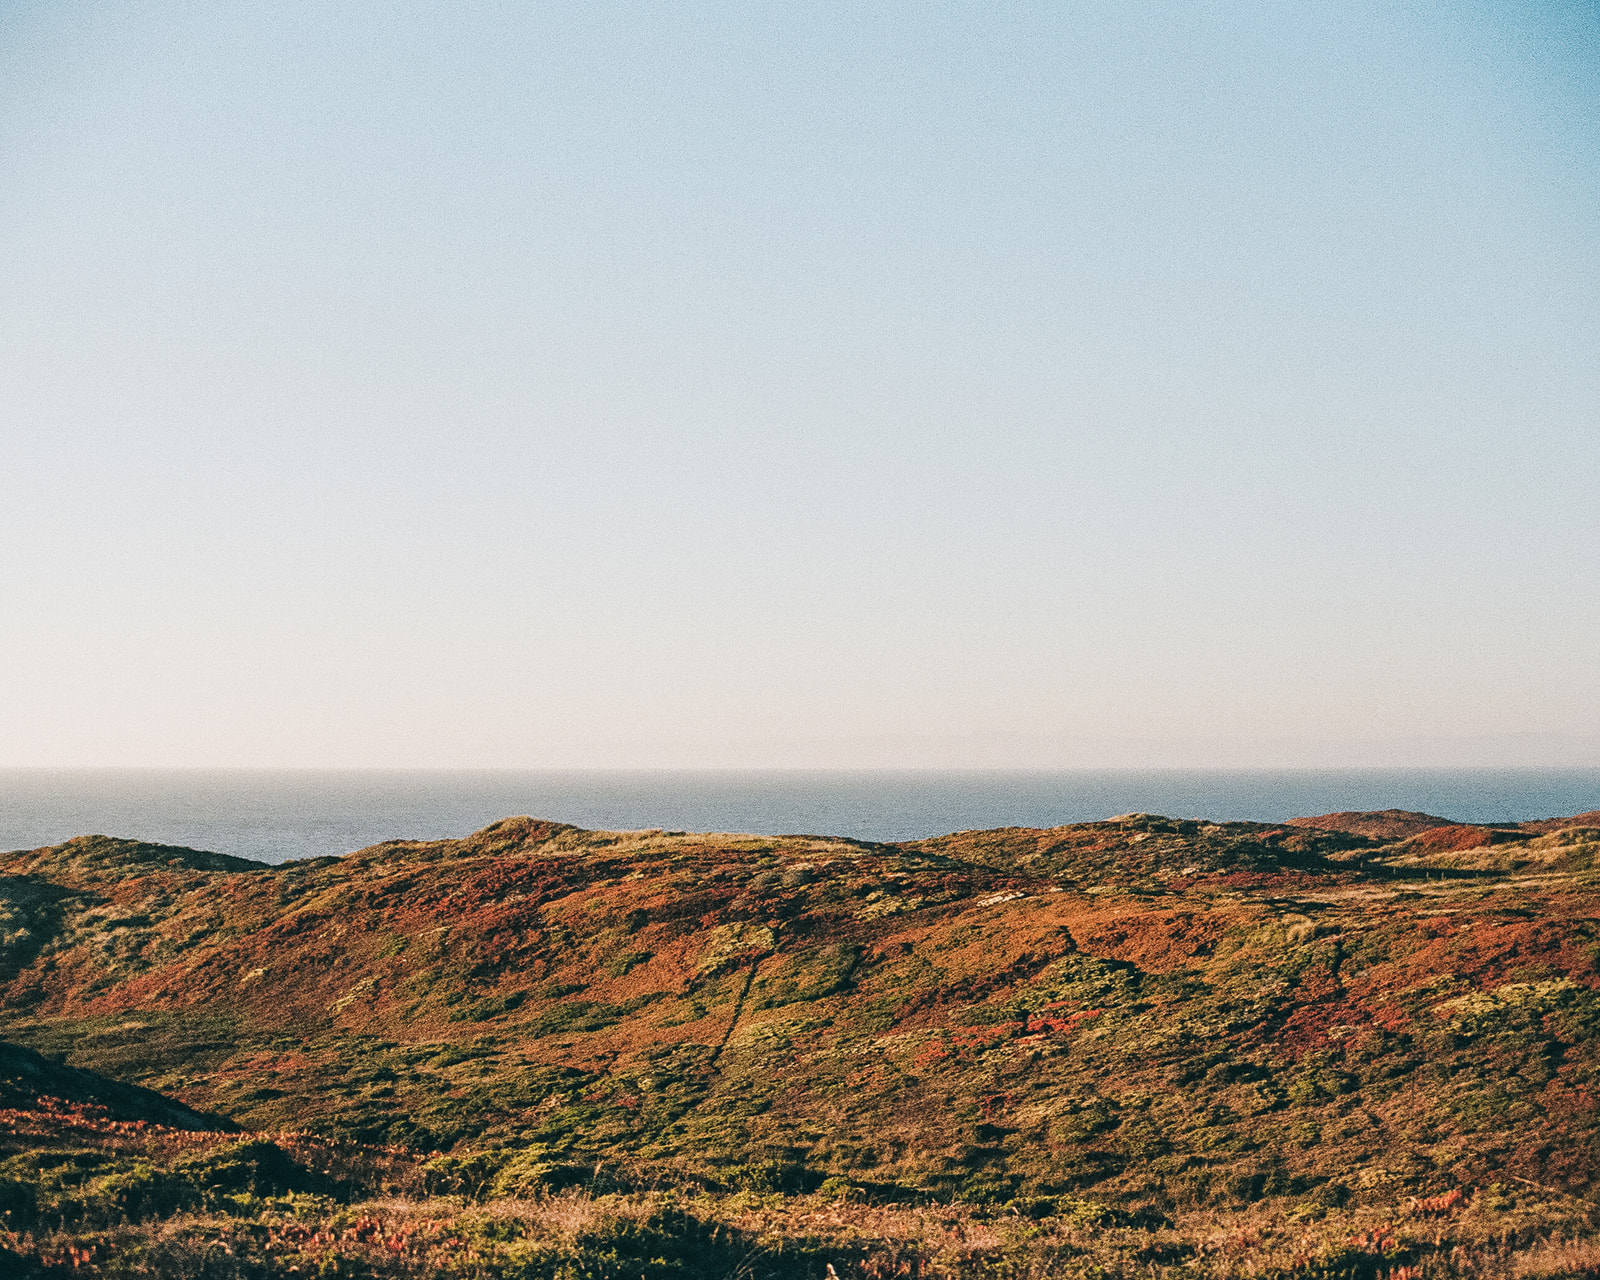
274	815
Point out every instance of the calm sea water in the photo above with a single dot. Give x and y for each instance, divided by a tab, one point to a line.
276	815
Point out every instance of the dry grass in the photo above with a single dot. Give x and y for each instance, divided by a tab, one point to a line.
1563	1258
667	1234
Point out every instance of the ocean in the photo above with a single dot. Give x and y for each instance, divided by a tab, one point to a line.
276	815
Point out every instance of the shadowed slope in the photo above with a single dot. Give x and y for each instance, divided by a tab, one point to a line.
26	1078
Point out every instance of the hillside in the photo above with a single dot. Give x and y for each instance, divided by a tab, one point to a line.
1155	1016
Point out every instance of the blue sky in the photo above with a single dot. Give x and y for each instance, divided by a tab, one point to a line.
599	384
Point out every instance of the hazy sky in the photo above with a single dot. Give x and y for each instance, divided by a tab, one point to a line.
675	384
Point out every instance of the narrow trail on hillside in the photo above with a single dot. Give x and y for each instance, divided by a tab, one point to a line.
738	1011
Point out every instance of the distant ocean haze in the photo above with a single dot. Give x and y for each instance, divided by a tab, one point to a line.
277	815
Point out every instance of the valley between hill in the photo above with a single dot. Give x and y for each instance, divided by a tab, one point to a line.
1347	1045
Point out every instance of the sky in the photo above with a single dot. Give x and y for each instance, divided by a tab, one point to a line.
649	385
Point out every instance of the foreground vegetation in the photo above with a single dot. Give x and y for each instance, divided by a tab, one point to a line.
1363	1048
99	1197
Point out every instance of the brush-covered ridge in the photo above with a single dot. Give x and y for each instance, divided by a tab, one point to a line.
1156	1015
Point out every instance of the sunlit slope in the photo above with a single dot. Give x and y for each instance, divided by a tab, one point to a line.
1208	1012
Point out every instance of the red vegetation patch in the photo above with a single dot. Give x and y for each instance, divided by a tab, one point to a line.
1379	1240
1486	952
1156	941
1454	838
429	1240
56	1117
1434	1206
1050	1019
1312	1026
1565	1102
1459	837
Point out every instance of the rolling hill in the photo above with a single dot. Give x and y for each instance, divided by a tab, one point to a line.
1152	1017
